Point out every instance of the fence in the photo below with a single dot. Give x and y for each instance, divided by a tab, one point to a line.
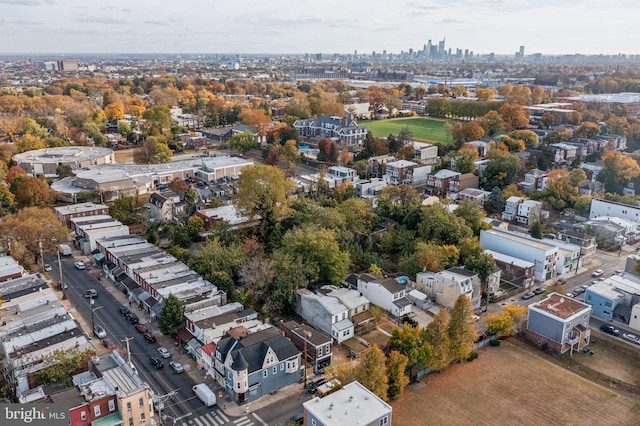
611	381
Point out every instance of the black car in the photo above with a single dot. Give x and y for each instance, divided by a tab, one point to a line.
311	388
538	290
132	318
156	362
298	419
123	310
609	329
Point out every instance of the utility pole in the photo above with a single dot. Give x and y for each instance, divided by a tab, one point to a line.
126	340
64	294
162	399
91	302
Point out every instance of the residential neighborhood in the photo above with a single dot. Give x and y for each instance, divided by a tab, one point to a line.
321	240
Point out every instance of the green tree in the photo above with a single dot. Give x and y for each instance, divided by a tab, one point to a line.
482	263
536	230
320	251
64	170
440	226
472	214
216	256
492	123
244	141
462	328
126	209
62	365
411	342
437	336
194	227
158	117
171	319
576	176
263	194
529	137
464	159
502	169
396	371
496	201
395	202
371	372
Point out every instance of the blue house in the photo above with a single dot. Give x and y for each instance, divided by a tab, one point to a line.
258	363
604	297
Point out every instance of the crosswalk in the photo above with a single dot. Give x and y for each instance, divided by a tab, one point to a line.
217	418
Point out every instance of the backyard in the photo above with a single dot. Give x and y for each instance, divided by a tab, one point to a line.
423	129
513	385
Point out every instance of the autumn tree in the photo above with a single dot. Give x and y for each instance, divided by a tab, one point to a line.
499	324
485	94
397	375
560	193
263	194
371	372
437	336
529	138
472	131
395	202
502	169
587	130
513	116
32	191
29	228
576	176
464	159
617	170
152	151
492	123
517	313
114	111
462	328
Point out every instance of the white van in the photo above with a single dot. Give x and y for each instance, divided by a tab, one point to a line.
205	394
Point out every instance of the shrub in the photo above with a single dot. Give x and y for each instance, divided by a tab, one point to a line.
472	356
494	343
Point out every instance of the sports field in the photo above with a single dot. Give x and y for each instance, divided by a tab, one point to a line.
424	129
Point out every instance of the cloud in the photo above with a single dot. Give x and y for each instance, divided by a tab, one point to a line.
152	22
100	20
20	22
21	2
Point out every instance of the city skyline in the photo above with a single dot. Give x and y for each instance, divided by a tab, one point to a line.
310	26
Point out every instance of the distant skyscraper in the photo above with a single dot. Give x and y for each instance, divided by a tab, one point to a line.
521	52
441	46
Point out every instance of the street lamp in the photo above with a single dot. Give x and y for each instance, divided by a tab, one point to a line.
91	303
306	337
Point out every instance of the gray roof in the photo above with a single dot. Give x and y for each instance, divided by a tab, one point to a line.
252	357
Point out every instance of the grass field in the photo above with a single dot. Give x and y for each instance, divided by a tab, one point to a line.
424	129
508	385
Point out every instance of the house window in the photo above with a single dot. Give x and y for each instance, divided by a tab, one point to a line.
238	386
607	304
282	366
265	373
83	415
313	422
112	405
320	351
96	410
130	421
141	402
142	418
384	421
129	406
275	369
326	349
237	373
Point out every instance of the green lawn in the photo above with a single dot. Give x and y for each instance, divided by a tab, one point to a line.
424	129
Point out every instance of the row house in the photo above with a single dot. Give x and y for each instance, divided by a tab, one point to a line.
344	130
166	206
534	180
399	172
515	271
342	174
425	153
257	364
439	182
460	183
325	313
66	213
477	196
93	400
559	323
356	303
522	211
376	165
243	128
228	214
586	243
563	152
446	286
315	346
481	146
10	269
370	188
522	246
386	293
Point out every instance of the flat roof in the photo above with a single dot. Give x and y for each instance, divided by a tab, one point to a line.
344	406
560	306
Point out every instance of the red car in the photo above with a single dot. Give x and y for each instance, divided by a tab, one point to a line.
141	328
108	343
149	337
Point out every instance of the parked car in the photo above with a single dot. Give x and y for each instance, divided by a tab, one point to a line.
141	328
177	367
47	267
631	338
79	265
609	329
311	388
123	310
578	291
298	419
91	293
99	331
538	290
597	273
527	296
108	343
156	362
618	271
163	352
562	281
584	288
149	337
132	318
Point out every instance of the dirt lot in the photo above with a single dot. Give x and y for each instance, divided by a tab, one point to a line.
509	385
124	155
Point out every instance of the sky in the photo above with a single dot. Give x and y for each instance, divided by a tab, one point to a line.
318	26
